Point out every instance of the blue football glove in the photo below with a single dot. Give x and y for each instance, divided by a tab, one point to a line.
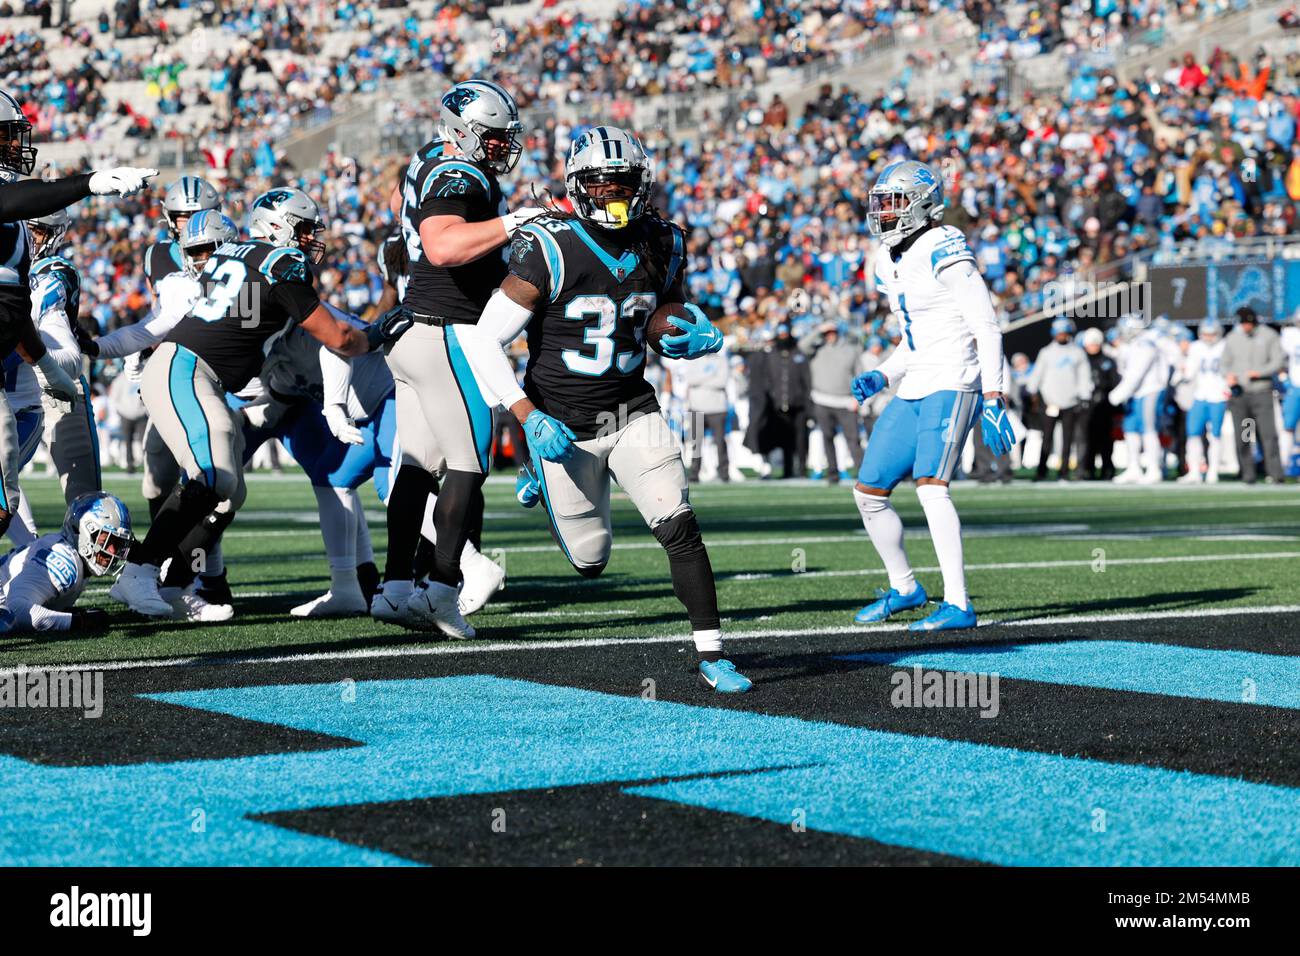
548	437
867	384
995	427
699	337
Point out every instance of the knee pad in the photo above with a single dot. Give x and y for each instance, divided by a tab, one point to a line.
680	534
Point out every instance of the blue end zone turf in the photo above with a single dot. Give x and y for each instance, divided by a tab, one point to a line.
479	734
1174	671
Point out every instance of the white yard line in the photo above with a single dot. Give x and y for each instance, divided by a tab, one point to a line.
374	653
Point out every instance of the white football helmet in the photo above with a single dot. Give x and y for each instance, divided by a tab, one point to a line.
288	217
1210	330
48	232
603	156
186	196
476	112
100	526
204	231
1130	326
16	151
906	198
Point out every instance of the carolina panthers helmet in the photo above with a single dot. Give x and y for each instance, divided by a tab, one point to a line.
16	151
607	155
101	527
288	217
906	198
474	112
205	228
52	229
185	197
1211	329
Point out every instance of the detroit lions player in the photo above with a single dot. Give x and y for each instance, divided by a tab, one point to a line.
583	287
41	581
1144	376
1290	339
951	351
19	202
1210	394
455	222
252	291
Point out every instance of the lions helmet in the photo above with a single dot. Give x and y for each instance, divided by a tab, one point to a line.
607	156
1062	326
482	120
48	232
101	527
906	198
17	155
204	231
1211	329
184	198
288	217
1130	327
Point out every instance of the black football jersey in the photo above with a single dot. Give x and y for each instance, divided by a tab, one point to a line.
15	269
441	185
56	284
161	259
586	344
252	291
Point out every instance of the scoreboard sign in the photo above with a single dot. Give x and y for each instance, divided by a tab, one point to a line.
1217	290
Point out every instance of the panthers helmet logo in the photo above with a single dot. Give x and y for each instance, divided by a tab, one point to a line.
459	97
271	199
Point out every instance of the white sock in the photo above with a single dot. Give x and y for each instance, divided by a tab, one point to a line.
343	581
1194	456
945	533
1212	457
885	528
22	528
1133	443
469	551
337	526
708	642
365	552
1152	453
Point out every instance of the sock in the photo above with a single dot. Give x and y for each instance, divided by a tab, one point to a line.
885	528
406	504
474	527
337	526
1152	453
690	569
368	579
945	533
343	581
22	529
216	562
1212	458
194	554
708	644
1194	457
452	519
1133	444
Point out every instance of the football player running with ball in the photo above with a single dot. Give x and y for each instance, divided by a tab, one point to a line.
583	287
950	353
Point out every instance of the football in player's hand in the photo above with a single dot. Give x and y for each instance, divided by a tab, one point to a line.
658	326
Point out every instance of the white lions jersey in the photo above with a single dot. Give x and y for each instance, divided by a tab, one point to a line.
50	316
1143	370
937	339
173	296
40	581
1291	346
1205	369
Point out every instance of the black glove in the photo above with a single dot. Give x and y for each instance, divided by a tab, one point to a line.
85	341
389	327
89	619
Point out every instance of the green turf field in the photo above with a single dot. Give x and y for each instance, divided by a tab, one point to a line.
789	557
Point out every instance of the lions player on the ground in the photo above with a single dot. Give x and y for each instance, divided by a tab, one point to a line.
40	581
252	291
950	352
1210	394
583	287
19	202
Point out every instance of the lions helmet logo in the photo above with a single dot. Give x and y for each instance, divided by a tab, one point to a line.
459	97
924	177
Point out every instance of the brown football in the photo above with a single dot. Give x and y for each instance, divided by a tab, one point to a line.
658	325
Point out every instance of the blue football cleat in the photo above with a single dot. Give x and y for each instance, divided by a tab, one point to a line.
889	603
949	617
527	490
723	677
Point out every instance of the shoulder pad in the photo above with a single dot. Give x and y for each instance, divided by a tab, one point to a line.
285	264
948	246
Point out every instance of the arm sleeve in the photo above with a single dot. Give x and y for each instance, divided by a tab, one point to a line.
335	377
894	367
56	332
33	198
502	321
172	303
964	281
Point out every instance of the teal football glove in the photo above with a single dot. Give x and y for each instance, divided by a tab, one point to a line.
995	427
867	384
548	437
699	336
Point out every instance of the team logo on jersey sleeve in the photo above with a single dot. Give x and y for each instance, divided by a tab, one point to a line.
61	567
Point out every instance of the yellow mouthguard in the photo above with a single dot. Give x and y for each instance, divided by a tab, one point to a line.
619	211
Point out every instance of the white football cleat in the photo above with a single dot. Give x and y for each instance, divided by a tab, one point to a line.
433	607
1152	476
1191	478
483	578
1129	476
137	588
188	606
389	603
330	604
1211	477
